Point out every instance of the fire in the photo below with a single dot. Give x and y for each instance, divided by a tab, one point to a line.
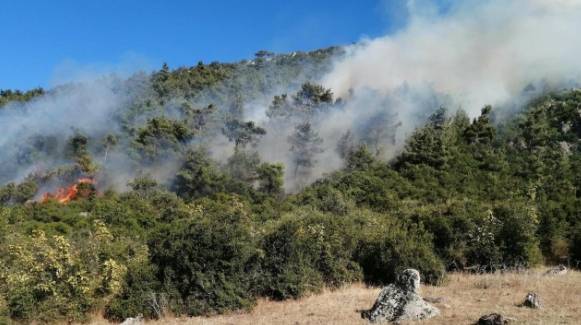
64	195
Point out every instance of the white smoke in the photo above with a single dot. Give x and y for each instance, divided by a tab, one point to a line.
473	54
478	52
85	107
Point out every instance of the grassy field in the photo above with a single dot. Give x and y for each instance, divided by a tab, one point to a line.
465	298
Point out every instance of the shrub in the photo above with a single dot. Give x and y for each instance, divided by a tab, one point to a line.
45	279
387	247
306	251
576	246
516	237
209	261
140	294
51	277
326	198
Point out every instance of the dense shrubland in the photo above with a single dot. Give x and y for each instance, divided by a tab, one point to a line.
220	234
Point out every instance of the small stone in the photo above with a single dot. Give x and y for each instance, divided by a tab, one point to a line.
557	270
532	300
133	321
492	319
401	301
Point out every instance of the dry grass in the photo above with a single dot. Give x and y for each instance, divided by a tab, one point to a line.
466	297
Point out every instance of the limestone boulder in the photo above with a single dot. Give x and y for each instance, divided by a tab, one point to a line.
557	270
401	301
532	300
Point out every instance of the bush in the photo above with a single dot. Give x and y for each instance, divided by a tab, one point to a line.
576	246
305	252
326	198
516	237
387	247
140	294
208	263
47	278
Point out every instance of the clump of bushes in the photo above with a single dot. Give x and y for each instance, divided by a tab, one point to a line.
141	292
47	277
221	259
208	263
386	247
306	251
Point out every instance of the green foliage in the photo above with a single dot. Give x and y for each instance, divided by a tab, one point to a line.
198	176
576	245
211	262
18	194
270	177
140	292
47	278
386	248
311	96
77	151
242	133
7	96
305	252
516	237
481	130
310	99
462	193
425	147
161	136
305	146
359	159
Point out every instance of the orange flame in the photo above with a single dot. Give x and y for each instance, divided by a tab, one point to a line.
64	195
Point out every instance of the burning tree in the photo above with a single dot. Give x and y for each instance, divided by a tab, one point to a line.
84	187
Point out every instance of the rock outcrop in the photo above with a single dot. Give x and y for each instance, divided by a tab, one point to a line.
532	300
557	270
492	319
401	301
133	321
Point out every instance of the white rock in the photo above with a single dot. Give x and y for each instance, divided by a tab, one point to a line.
133	321
401	301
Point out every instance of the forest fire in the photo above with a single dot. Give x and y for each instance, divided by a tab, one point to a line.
84	187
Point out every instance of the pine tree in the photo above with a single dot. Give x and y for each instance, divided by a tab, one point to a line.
305	146
242	133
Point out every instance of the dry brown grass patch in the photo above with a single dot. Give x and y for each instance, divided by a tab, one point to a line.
466	298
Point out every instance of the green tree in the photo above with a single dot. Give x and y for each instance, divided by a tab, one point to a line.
311	96
280	107
305	146
481	130
161	136
198	176
381	131
242	133
77	148
270	177
360	159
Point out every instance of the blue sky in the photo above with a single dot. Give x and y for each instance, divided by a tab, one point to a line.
47	42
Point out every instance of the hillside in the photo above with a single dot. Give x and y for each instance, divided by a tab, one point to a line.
205	190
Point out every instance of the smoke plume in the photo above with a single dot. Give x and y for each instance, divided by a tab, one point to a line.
478	52
468	55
